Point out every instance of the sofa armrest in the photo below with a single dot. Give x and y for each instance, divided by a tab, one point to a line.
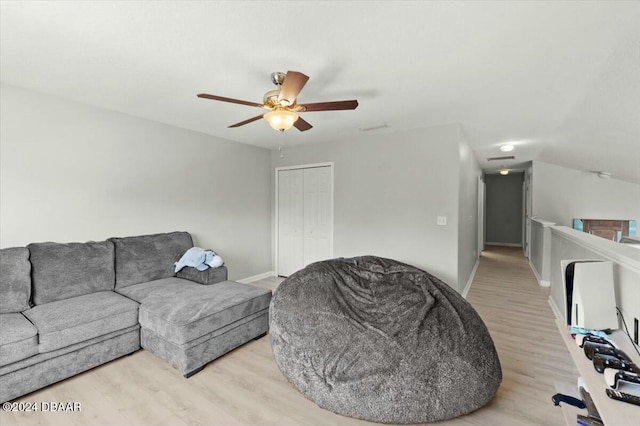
207	277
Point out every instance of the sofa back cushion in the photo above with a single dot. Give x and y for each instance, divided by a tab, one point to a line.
148	257
63	271
15	280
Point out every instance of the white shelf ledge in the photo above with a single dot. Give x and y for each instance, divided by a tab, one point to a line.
611	411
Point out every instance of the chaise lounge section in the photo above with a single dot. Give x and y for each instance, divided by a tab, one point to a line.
185	320
67	308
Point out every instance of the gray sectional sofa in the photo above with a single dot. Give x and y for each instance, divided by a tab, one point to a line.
66	308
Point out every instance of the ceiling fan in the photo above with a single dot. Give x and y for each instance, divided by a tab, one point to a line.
282	103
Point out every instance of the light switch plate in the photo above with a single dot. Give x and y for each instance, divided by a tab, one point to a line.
442	220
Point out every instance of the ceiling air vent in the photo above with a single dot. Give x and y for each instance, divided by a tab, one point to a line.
374	127
507	157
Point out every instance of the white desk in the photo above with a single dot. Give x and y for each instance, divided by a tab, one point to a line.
611	411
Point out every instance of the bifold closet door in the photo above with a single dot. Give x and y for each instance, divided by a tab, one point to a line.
317	214
290	221
304	217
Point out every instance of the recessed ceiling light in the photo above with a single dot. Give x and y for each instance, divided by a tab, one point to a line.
506	147
504	172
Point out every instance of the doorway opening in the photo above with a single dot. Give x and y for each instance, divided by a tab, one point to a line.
504	209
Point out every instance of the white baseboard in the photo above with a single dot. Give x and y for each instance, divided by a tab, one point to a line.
541	282
503	244
555	309
473	274
535	271
257	277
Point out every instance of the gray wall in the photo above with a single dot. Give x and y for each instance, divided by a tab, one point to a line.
504	208
388	190
561	194
71	172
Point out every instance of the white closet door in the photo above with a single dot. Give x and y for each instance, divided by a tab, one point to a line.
305	217
317	214
310	214
290	224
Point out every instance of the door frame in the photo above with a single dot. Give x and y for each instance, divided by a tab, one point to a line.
481	215
526	213
277	218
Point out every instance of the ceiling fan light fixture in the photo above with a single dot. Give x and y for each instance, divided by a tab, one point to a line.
281	120
281	103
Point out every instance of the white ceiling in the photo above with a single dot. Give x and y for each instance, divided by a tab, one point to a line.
561	80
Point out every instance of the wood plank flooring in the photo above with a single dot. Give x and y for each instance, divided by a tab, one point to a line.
245	387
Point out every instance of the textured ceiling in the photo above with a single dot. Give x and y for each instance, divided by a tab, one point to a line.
559	79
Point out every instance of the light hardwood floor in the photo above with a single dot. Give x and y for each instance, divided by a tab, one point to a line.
245	387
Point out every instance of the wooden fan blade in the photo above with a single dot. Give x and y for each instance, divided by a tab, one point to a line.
293	83
223	99
329	106
251	120
302	124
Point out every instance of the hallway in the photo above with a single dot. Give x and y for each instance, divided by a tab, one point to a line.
515	308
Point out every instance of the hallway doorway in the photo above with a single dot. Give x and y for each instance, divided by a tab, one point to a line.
504	209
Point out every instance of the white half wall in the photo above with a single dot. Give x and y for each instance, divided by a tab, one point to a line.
71	172
540	250
569	244
561	194
389	189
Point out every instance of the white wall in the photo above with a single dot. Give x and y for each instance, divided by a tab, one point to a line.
70	172
389	189
561	194
469	173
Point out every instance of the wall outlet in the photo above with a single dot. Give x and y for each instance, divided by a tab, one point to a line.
635	330
441	221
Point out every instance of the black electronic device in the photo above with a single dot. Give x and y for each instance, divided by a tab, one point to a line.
568	283
602	361
559	397
590	349
614	378
582	339
624	397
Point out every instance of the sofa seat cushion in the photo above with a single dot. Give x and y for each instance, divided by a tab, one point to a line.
139	292
15	280
18	338
181	311
81	318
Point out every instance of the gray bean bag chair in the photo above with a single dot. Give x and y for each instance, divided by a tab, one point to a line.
380	340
